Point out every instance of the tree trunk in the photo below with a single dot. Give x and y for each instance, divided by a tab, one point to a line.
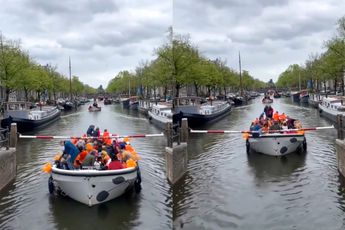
26	92
8	91
196	87
177	87
165	92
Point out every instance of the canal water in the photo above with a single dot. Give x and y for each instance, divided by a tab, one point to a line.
223	188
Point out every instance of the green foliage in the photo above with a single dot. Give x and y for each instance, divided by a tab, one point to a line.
178	63
19	72
330	65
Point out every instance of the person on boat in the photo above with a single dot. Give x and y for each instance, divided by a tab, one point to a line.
90	130
79	159
72	152
282	117
284	125
290	122
115	163
256	128
265	128
269	112
106	137
96	132
99	165
275	126
105	158
89	159
276	116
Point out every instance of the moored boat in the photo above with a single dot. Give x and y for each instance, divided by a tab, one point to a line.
199	114
28	118
160	114
314	100
330	107
304	96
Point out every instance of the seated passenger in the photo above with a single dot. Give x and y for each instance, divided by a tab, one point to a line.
89	159
115	164
90	130
99	164
275	126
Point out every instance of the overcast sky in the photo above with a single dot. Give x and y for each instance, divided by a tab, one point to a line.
104	37
270	34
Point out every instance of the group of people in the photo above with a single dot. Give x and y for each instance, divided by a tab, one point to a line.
271	121
97	150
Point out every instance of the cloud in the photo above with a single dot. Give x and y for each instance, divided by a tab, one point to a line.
271	34
102	37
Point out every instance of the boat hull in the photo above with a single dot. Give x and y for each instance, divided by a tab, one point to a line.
196	120
93	187
158	121
304	99
328	113
267	101
276	144
95	109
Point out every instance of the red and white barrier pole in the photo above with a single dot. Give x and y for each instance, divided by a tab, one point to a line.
78	137
270	131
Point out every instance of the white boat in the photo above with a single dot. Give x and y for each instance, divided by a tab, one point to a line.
93	186
94	109
314	100
267	100
276	144
330	107
160	114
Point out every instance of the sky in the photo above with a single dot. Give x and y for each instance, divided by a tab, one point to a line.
269	34
103	37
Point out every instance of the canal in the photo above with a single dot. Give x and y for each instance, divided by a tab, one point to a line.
223	188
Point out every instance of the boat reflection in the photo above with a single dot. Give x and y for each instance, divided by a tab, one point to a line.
121	213
267	168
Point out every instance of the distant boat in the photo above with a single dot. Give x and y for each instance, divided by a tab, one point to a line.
303	96
28	118
94	109
295	96
131	103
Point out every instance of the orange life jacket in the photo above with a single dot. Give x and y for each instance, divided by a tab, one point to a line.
81	156
276	116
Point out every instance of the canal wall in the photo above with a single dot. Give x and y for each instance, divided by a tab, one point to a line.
340	144
176	156
8	160
8	166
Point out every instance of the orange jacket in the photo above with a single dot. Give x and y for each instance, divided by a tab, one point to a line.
106	138
282	117
276	116
81	156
